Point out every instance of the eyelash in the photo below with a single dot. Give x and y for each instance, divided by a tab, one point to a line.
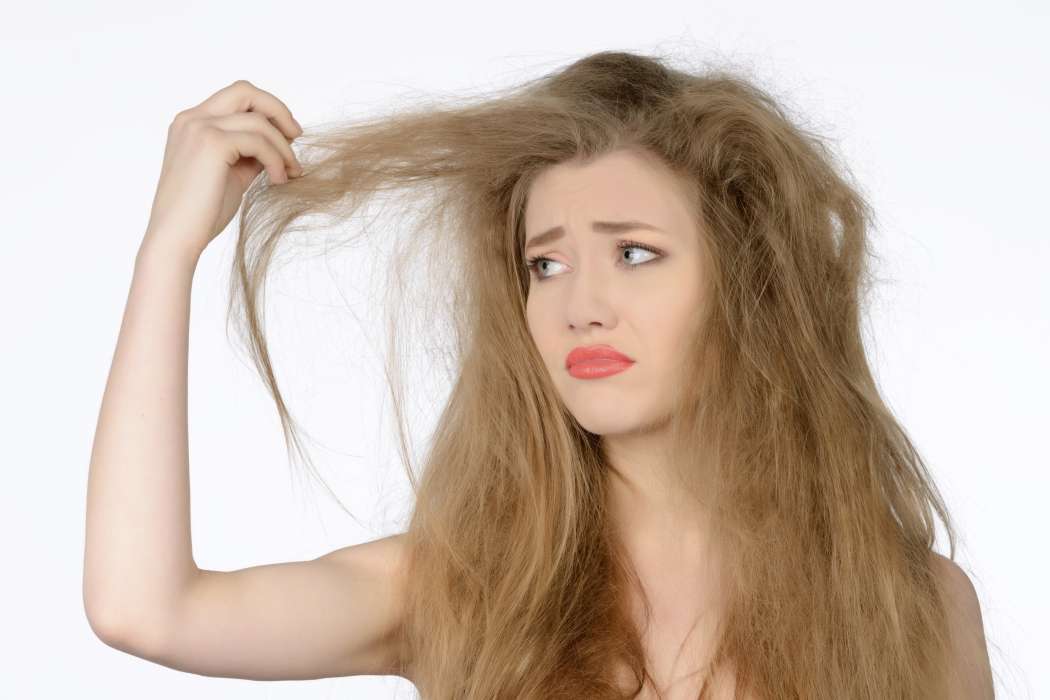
531	263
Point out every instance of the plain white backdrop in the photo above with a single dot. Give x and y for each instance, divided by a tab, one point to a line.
940	109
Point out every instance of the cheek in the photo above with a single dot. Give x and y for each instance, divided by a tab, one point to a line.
534	323
666	326
542	328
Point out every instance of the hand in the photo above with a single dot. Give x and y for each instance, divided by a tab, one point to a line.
214	152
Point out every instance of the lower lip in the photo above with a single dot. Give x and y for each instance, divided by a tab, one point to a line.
596	369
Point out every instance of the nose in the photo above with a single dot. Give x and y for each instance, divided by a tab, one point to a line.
588	296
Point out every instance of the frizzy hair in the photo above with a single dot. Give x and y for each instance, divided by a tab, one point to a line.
822	508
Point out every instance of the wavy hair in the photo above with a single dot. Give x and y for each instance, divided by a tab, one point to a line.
823	510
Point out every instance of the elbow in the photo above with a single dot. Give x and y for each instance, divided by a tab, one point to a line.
115	629
104	628
104	623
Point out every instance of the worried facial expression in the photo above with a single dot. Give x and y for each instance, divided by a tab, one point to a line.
615	260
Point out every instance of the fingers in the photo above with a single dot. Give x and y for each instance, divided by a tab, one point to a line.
255	122
242	96
255	145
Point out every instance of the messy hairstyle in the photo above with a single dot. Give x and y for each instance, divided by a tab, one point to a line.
823	511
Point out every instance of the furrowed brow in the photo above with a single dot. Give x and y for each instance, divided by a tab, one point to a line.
553	234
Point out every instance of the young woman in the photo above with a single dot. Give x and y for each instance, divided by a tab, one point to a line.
664	469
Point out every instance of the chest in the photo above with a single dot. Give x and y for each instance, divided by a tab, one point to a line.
679	643
682	631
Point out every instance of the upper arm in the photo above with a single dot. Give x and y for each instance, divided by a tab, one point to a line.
336	615
972	671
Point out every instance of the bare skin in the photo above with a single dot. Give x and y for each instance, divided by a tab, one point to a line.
680	584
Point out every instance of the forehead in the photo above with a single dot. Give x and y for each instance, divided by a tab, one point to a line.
621	184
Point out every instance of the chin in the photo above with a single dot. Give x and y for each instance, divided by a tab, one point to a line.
607	422
617	421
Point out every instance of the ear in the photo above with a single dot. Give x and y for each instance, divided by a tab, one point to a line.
972	677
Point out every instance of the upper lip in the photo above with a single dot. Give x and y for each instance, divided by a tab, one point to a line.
594	352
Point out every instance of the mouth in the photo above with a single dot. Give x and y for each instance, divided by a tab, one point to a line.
596	369
595	361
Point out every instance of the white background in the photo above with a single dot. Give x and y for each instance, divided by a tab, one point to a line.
941	110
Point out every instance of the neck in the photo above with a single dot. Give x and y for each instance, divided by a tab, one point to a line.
644	497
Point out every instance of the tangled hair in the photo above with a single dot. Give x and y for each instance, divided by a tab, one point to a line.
822	507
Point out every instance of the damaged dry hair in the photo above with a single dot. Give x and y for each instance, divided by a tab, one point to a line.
821	505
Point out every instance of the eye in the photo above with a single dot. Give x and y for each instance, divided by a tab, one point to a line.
533	263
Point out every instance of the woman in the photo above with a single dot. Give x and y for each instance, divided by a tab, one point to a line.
664	469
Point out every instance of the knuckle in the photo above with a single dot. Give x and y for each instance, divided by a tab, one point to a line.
197	126
207	136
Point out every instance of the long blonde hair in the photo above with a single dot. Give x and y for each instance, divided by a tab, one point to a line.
823	508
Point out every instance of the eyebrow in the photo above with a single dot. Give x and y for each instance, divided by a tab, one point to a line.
553	234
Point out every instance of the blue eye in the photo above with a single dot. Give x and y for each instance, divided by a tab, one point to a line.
533	263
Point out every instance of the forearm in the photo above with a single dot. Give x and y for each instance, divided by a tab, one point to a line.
138	553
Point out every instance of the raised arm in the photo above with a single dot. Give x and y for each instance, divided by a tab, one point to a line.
142	590
138	559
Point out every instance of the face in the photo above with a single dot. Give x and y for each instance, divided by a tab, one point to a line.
634	289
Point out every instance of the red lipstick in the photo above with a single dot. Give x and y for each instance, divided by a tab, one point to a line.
596	361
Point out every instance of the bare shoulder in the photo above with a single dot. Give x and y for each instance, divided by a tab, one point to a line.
383	555
974	675
960	594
